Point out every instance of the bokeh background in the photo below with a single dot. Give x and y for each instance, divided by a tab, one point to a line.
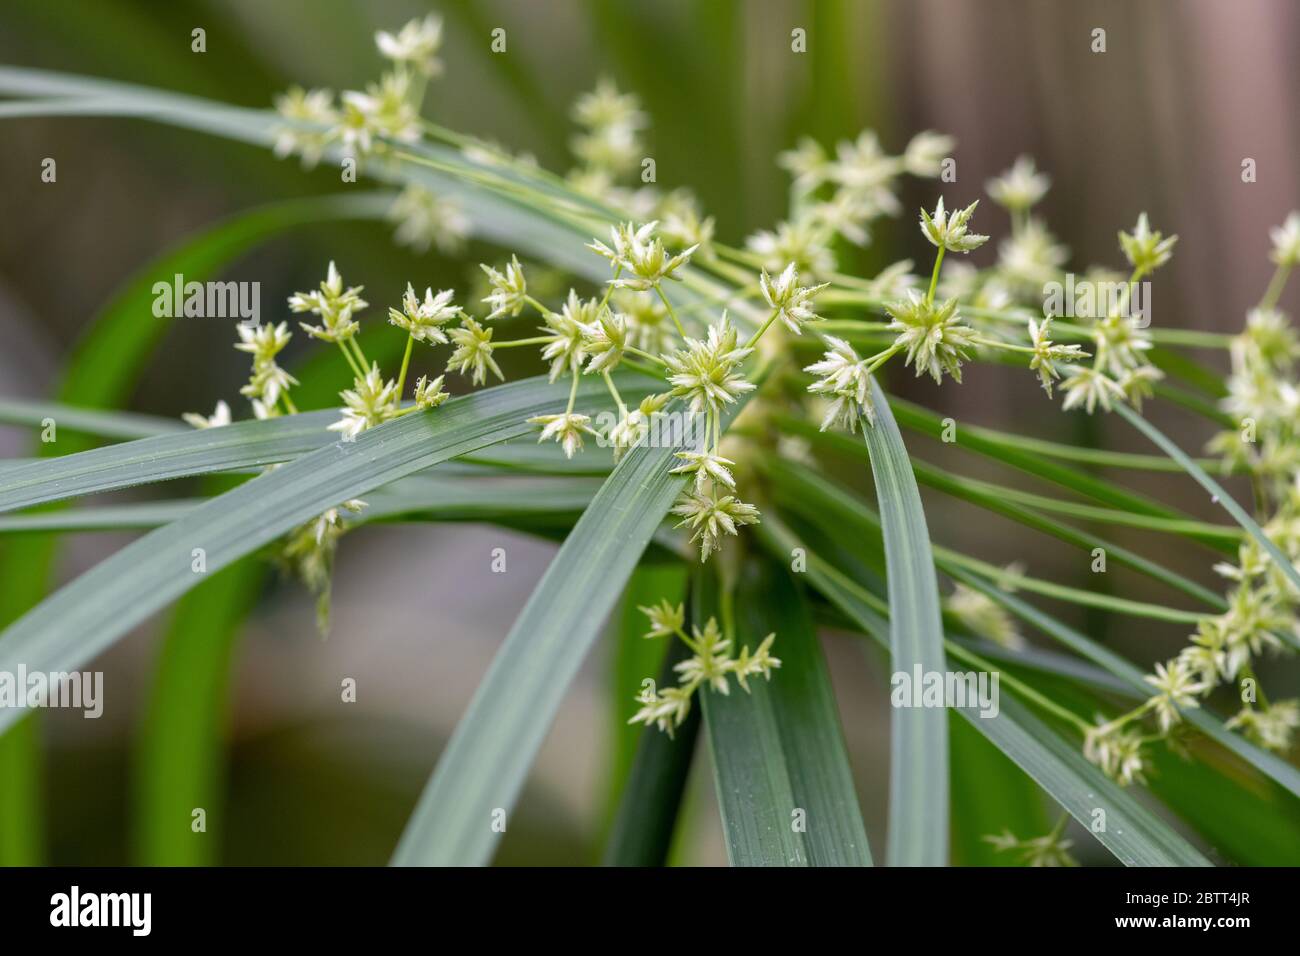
1160	122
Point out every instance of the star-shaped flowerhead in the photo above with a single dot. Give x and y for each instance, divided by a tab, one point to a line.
386	109
925	153
845	382
632	429
605	340
1046	354
334	304
791	301
761	661
1178	689
415	44
473	352
509	292
311	115
220	416
1019	188
263	342
707	468
665	620
950	231
1286	241
424	319
426	219
1117	751
429	394
567	429
566	345
711	517
640	257
1089	387
1144	249
666	710
705	371
934	335
370	401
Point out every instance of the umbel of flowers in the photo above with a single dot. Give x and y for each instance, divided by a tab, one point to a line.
706	363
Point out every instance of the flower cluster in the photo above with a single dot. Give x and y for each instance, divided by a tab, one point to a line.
386	111
712	663
840	196
1052	849
1261	603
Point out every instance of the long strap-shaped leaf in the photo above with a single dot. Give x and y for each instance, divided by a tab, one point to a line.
1135	835
784	784
1220	496
817	496
1213	727
642	831
918	772
164	457
554	224
486	762
89	614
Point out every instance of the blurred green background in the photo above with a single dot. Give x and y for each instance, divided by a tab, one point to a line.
1160	122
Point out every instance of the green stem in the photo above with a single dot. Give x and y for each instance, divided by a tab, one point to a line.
542	310
573	395
513	343
878	360
1021	688
762	328
1005	346
613	390
609	290
645	355
406	362
934	277
1275	286
356	350
671	312
352	363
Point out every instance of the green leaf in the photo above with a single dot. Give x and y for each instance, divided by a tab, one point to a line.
755	795
814	496
487	760
634	659
1007	450
991	497
85	421
100	371
918	778
88	615
531	212
989	794
1135	835
1218	495
1265	762
179	753
148	460
779	751
650	802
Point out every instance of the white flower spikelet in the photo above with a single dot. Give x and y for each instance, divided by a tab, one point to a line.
950	230
791	301
844	380
369	402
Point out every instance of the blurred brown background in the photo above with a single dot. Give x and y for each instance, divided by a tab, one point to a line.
1160	122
